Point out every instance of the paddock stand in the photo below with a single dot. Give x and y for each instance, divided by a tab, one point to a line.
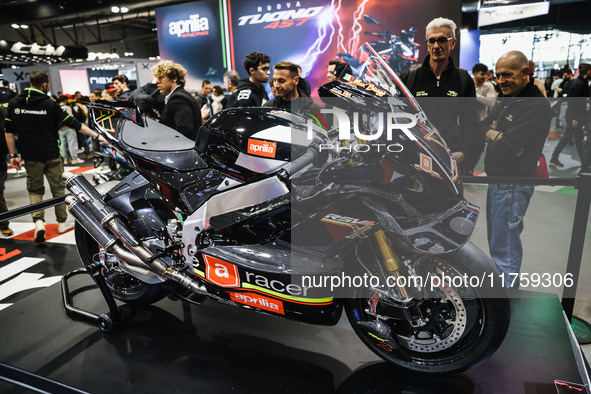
106	322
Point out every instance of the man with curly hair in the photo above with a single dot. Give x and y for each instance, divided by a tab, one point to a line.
181	110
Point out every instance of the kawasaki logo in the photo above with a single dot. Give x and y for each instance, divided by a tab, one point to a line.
22	111
194	26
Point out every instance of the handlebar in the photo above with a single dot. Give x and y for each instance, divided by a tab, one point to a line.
307	158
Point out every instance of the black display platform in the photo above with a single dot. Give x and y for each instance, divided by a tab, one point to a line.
178	348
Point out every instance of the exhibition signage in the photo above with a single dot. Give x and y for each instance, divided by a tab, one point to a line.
99	79
192	35
47	50
310	33
493	15
211	36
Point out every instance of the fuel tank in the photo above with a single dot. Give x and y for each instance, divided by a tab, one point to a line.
251	143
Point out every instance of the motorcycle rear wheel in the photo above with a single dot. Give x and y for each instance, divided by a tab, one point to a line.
123	286
481	323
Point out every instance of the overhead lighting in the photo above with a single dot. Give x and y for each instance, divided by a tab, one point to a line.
24	26
117	10
15	26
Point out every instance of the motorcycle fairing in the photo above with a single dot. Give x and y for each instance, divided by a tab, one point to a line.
433	234
272	292
375	73
227	201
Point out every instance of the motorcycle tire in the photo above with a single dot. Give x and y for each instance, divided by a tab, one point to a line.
484	318
123	286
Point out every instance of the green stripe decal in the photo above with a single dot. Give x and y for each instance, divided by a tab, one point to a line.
200	273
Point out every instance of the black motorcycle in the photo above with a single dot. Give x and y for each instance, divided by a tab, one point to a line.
266	210
400	52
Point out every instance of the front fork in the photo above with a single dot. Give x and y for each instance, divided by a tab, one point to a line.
391	262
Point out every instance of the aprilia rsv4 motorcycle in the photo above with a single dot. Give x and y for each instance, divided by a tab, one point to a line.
266	211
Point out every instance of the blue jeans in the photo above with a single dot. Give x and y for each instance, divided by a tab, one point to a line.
505	208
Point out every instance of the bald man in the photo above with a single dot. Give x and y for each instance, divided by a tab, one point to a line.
515	131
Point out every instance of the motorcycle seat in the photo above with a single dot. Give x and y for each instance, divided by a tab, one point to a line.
162	145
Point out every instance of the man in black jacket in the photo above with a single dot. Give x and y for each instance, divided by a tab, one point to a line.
250	91
36	119
515	132
181	110
455	119
575	114
290	96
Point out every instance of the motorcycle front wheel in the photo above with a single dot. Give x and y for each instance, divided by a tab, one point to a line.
459	329
123	286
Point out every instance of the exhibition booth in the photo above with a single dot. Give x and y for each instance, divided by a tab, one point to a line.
209	264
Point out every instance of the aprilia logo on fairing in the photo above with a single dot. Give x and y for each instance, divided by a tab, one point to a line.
221	273
258	301
262	148
194	26
302	13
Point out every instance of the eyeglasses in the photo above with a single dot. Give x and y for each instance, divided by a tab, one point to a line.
266	68
440	40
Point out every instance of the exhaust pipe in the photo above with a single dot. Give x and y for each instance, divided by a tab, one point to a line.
96	217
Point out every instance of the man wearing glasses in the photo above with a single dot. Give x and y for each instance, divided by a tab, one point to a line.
250	91
456	120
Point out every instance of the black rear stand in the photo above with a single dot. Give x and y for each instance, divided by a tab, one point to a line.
106	322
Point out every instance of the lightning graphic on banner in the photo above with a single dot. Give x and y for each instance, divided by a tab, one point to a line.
356	31
327	31
317	48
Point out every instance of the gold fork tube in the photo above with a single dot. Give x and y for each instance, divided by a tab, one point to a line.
390	259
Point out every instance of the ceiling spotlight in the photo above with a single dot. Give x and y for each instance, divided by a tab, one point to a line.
24	26
15	26
115	9
123	10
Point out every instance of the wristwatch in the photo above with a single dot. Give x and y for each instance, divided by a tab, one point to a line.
14	155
